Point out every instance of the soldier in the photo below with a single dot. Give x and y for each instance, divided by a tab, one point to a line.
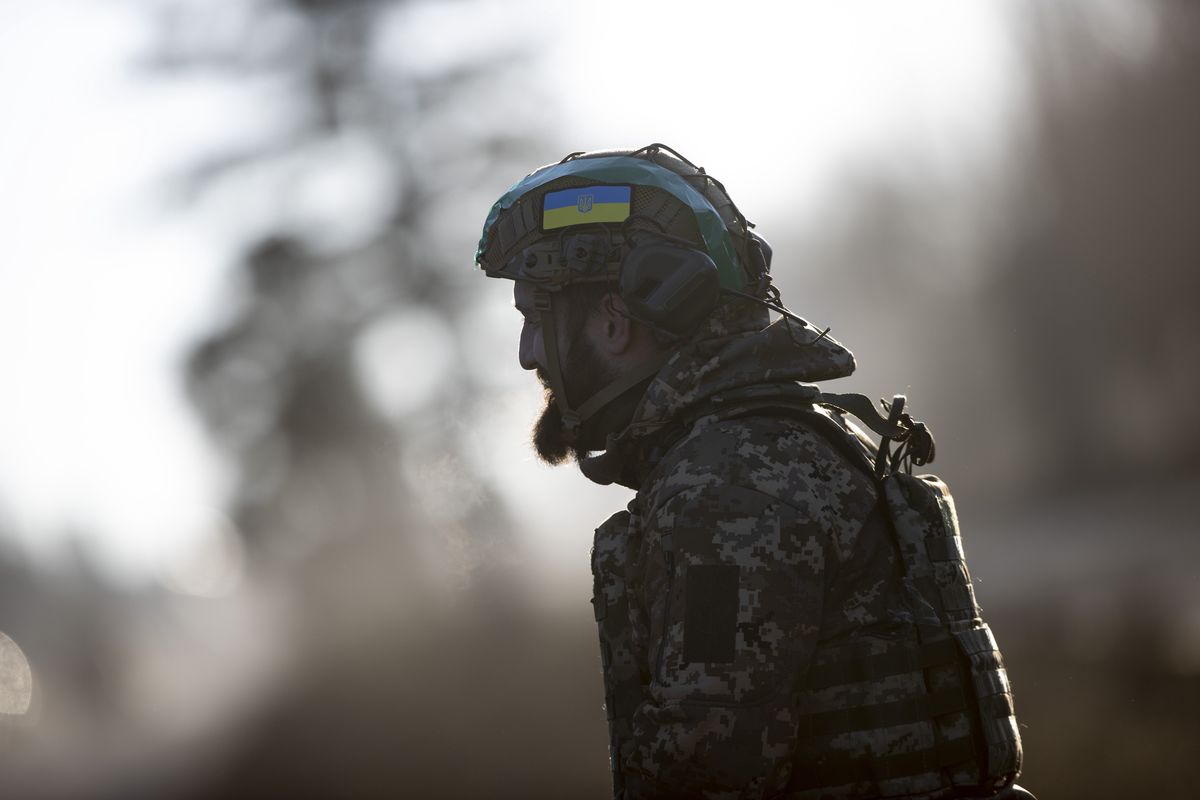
760	633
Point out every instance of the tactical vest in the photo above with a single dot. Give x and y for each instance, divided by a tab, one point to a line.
930	715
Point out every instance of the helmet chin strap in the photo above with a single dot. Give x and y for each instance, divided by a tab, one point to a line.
543	303
573	419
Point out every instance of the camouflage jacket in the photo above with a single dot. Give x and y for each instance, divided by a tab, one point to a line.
747	552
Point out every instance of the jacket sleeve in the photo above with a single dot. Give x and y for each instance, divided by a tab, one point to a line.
733	581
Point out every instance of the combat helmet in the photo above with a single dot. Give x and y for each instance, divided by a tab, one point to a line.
663	231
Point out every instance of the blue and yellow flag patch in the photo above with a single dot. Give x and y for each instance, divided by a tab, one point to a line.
585	204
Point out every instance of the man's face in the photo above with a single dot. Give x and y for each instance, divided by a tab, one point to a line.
582	368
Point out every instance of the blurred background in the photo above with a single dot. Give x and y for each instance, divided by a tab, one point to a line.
269	520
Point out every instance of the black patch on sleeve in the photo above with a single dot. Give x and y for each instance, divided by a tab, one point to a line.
710	614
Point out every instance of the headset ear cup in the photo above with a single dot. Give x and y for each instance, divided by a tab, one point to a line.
669	287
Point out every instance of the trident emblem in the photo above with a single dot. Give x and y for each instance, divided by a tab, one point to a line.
584	203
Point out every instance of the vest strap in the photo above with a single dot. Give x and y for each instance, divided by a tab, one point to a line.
907	658
958	598
837	771
862	408
998	706
945	548
884	715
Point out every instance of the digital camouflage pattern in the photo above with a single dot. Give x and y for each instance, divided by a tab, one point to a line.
753	565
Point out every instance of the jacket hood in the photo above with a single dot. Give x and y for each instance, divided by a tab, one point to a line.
729	352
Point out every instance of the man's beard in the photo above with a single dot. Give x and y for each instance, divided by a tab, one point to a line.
584	373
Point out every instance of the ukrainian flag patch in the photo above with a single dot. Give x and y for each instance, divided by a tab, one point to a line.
585	204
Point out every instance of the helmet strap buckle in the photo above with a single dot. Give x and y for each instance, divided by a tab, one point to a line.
541	302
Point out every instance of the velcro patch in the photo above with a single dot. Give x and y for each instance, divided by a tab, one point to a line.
585	204
710	613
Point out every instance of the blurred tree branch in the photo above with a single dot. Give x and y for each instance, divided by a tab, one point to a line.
279	385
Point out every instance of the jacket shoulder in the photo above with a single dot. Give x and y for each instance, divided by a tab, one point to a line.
783	457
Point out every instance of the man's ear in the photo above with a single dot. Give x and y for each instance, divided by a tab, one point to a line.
614	331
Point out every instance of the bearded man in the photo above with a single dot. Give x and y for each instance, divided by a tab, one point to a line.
763	627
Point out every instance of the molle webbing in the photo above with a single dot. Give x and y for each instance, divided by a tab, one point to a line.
842	770
890	699
884	715
903	658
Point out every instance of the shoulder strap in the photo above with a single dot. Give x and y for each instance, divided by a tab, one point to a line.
800	401
861	407
915	440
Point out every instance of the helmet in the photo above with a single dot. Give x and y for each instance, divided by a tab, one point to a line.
583	217
660	229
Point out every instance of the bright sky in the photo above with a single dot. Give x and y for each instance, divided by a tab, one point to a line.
102	289
800	85
99	292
